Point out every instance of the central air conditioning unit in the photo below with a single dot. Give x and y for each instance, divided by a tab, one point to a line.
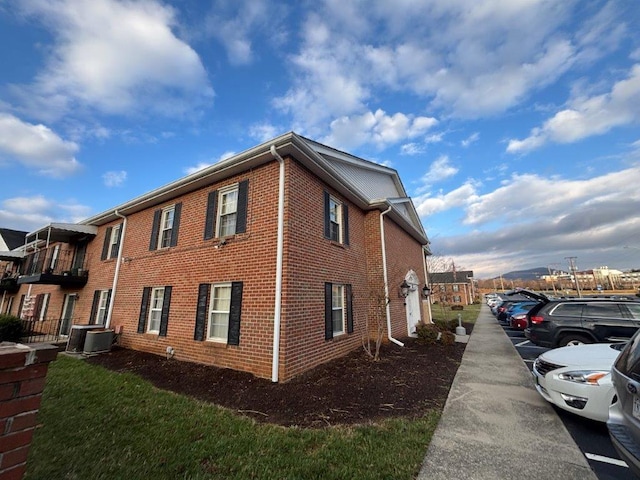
98	341
78	335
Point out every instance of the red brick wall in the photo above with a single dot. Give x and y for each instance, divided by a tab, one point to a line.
22	379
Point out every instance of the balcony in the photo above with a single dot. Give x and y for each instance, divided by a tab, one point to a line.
55	266
9	284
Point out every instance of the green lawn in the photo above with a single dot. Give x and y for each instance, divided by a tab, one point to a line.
97	424
469	313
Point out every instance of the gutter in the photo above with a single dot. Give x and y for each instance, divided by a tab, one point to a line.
277	314
386	280
116	275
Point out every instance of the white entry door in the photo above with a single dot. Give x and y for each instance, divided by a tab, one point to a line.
412	303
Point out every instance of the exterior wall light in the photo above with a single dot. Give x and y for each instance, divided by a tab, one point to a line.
404	289
426	291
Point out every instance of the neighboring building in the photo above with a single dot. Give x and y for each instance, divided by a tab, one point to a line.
455	287
11	239
269	262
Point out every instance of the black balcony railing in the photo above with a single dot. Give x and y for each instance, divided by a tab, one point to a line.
47	330
9	283
55	266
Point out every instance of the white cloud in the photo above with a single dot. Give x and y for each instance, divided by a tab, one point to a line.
36	147
114	178
428	204
29	213
470	139
203	165
412	149
377	128
237	24
116	57
263	131
588	116
440	169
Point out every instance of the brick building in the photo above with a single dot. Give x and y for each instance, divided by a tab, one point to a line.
455	287
268	262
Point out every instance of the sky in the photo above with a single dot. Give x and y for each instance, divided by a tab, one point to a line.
514	125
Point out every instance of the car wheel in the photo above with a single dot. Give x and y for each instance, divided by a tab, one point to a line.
574	339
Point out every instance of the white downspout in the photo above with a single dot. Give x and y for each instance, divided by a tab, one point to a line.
426	282
279	260
386	280
116	275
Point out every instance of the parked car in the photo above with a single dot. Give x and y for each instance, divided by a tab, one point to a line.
624	414
516	314
578	378
573	321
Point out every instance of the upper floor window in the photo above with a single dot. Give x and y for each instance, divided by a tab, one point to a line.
227	211
111	243
456	287
336	220
166	226
166	223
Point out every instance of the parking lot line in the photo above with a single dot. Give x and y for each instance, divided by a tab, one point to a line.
522	343
526	360
603	459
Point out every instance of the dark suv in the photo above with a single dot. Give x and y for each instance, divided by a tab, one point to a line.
572	321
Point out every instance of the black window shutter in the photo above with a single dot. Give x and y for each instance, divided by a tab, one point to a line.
164	318
177	210
201	311
328	321
144	307
345	224
94	307
153	242
327	218
105	245
235	310
210	219
241	212
349	299
38	306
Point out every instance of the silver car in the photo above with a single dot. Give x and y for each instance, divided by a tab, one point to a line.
624	414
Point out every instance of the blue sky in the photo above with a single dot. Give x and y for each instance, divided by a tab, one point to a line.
513	125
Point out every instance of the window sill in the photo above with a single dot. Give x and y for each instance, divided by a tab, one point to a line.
213	345
338	244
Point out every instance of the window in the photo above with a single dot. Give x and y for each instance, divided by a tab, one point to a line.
154	310
114	241
602	310
457	299
228	211
166	227
9	305
568	309
218	313
103	307
337	309
456	287
634	310
166	223
336	220
219	309
338	304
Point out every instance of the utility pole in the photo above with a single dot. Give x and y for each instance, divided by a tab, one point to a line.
501	283
572	267
553	277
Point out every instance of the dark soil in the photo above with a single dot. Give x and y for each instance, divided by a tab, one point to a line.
406	382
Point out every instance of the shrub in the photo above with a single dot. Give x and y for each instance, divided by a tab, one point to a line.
457	307
448	338
446	325
427	333
10	328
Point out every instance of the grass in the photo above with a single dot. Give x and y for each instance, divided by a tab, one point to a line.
103	425
469	314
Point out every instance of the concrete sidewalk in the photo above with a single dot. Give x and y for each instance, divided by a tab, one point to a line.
494	424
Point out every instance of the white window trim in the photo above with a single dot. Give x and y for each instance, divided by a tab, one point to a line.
163	228
341	307
211	311
113	241
43	308
221	195
338	221
152	309
54	257
101	311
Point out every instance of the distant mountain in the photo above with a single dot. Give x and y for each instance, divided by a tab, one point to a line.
531	274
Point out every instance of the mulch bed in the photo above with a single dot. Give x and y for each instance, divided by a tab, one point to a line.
405	382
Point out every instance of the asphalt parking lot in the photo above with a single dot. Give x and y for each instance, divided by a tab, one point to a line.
590	436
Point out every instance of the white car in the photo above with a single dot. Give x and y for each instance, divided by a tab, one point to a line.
578	378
